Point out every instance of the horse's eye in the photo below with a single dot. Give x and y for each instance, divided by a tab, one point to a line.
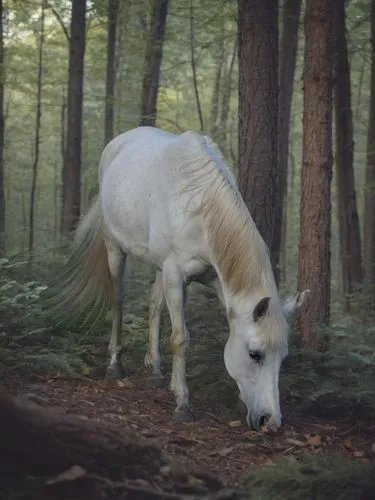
255	356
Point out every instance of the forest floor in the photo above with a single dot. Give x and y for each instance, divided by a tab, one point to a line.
226	447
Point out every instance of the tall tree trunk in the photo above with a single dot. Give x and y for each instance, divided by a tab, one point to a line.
288	57
154	54
71	189
225	102
315	209
220	58
113	6
2	126
350	239
194	66
369	222
257	52
37	133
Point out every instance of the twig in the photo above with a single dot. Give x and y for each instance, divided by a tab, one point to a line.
60	21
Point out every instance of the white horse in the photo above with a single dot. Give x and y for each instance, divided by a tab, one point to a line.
172	201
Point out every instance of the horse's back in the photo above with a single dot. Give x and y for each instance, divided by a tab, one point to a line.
141	140
141	206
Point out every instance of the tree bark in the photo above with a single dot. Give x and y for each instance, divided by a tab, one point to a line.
154	54
71	189
37	134
350	238
257	53
316	174
113	6
287	67
369	222
2	127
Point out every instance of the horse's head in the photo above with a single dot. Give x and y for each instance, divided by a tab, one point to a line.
256	347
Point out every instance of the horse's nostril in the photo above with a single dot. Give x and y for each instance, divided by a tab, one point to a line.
264	420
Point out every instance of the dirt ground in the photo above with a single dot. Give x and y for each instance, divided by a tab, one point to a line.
228	448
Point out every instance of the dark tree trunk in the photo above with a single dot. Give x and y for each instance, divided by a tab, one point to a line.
257	54
113	6
369	222
154	54
34	175
316	175
71	189
45	454
287	67
350	239
2	126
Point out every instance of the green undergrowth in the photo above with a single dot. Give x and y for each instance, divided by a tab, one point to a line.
315	477
30	341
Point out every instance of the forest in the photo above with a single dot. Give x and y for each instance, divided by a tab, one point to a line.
286	92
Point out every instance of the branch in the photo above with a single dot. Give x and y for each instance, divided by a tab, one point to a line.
60	21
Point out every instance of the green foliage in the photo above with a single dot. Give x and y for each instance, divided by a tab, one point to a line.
315	477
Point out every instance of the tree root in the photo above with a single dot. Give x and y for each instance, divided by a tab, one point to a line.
45	454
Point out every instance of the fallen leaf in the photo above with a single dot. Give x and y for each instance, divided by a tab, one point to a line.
348	444
125	382
315	440
223	452
295	442
74	472
359	454
235	423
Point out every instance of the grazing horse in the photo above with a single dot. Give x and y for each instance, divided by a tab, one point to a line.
172	201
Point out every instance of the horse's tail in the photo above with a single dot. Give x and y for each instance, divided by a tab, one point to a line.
87	284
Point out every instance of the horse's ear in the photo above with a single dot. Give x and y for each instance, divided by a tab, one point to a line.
293	302
261	309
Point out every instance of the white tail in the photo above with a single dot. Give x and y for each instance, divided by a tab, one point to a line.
87	283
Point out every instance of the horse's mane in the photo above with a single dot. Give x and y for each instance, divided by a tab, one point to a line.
236	245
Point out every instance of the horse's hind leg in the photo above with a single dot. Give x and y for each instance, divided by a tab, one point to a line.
116	263
152	358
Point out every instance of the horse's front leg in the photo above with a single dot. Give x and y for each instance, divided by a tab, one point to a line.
173	286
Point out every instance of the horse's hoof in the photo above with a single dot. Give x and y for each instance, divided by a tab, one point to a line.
155	381
115	371
183	415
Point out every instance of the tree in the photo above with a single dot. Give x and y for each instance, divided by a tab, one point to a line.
369	221
316	174
154	54
226	93
2	126
37	131
71	190
350	239
194	66
287	67
113	6
257	52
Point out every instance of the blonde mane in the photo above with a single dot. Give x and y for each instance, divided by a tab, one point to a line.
235	243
